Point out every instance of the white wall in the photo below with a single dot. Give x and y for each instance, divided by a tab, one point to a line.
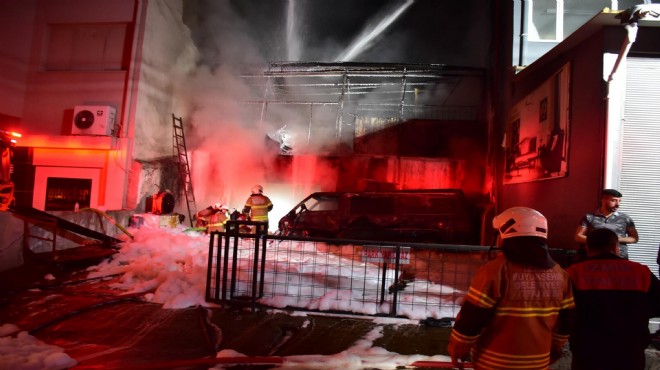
166	55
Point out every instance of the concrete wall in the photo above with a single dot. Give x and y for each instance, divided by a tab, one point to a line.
16	17
66	66
146	47
166	55
129	54
564	200
58	54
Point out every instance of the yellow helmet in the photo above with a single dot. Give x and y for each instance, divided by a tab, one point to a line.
521	221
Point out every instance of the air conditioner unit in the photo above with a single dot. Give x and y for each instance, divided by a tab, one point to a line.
93	120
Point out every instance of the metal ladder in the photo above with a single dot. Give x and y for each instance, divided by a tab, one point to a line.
185	181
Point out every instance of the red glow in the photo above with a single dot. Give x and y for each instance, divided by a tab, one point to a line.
7	137
62	156
68	142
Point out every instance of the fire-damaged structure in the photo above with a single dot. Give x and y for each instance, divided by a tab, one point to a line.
383	126
374	127
340	126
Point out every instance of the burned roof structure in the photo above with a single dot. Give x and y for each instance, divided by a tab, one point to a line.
319	107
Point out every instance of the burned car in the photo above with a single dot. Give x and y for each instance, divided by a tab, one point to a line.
425	216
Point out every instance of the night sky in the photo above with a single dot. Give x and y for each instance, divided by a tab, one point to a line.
426	31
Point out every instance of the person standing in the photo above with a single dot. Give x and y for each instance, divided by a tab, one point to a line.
258	205
608	216
518	310
615	298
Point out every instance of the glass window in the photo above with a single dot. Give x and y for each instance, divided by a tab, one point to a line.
544	20
63	193
324	203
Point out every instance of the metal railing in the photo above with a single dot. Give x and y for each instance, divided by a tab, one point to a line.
419	281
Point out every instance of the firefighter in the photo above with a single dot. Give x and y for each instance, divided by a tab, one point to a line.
213	217
7	142
258	205
518	310
5	161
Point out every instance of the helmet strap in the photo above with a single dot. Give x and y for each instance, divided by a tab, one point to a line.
493	246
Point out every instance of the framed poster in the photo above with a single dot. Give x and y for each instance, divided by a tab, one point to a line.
536	135
543	109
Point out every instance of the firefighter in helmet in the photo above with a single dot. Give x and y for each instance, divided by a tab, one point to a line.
518	310
7	142
213	217
258	205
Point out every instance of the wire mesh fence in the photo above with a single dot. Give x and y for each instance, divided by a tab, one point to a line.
418	281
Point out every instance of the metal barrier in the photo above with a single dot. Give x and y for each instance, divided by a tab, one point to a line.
219	265
419	281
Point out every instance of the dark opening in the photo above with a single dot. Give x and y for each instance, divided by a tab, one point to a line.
62	194
372	205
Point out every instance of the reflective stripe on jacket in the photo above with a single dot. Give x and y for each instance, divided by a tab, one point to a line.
514	315
615	299
258	205
217	222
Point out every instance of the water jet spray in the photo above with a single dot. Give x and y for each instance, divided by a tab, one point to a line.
371	33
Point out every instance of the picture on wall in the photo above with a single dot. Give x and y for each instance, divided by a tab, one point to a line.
543	109
536	140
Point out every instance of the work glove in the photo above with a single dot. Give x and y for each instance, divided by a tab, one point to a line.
458	352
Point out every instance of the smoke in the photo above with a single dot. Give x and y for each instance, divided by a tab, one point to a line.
223	37
226	150
229	141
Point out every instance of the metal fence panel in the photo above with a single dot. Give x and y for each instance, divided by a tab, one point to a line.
417	281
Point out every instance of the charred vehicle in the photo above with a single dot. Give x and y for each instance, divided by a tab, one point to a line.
425	216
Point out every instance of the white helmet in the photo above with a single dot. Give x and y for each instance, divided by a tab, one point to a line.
521	221
257	189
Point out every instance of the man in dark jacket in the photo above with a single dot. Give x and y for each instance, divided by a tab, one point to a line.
615	298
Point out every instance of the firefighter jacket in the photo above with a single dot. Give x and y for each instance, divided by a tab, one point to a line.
615	299
258	206
515	316
211	218
217	221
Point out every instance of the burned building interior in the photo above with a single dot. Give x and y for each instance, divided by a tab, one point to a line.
377	124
